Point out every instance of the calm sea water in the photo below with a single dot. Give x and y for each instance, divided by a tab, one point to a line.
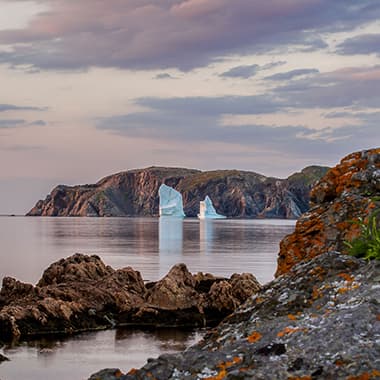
152	246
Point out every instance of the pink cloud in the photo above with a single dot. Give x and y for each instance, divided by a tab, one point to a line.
167	33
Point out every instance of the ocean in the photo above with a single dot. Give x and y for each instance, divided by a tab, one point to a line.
152	246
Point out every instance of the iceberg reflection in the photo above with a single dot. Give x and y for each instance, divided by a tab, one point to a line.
206	236
170	235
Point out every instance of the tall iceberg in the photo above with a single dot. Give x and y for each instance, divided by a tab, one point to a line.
207	210
170	202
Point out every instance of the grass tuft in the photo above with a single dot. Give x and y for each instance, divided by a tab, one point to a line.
367	244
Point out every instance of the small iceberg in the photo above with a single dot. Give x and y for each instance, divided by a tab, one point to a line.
207	210
170	202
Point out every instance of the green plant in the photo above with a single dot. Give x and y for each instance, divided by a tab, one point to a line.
367	244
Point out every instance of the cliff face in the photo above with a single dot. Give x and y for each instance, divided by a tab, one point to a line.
135	193
130	193
347	192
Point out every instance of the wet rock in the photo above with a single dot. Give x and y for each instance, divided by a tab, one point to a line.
332	333
346	193
81	293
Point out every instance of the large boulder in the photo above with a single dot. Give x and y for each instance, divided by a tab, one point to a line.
346	193
75	268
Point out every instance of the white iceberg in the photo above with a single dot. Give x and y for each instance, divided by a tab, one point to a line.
207	210
170	202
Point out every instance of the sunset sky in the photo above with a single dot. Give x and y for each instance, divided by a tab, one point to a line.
93	87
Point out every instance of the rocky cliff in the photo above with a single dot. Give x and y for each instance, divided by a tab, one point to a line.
346	193
234	193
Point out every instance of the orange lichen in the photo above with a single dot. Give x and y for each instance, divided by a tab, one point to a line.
366	375
289	330
348	288
227	364
347	277
307	377
223	368
132	371
318	271
118	374
254	337
329	223
316	293
292	317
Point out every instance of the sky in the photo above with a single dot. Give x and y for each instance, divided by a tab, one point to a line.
93	87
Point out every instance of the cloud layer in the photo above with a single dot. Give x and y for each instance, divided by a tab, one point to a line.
200	119
174	33
12	107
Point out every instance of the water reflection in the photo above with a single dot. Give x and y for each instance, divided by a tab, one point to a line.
206	235
150	245
170	235
83	354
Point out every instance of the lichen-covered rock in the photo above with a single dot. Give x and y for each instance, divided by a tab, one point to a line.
81	293
319	321
135	193
347	192
107	374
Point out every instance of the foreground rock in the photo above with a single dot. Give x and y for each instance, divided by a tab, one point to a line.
81	293
347	192
234	193
320	321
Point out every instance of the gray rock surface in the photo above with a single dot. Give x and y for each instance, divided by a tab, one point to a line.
319	321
